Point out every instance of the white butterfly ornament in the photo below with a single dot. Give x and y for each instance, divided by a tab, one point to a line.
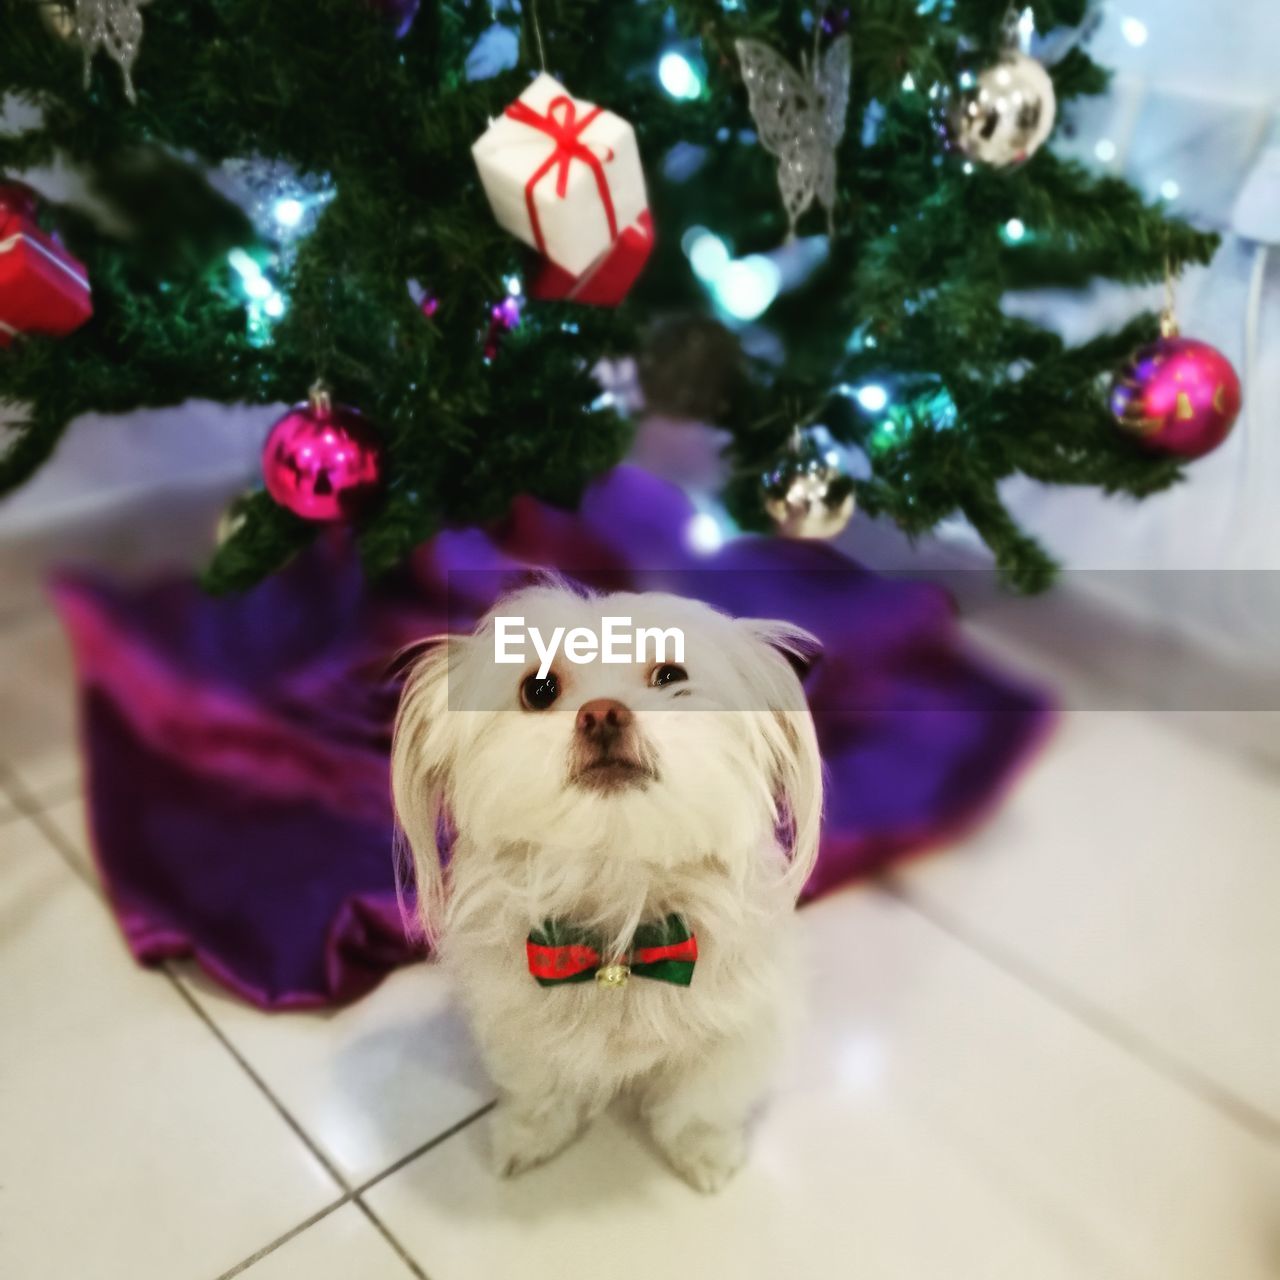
116	27
800	117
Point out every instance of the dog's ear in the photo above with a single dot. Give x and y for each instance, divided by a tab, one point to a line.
422	758
792	744
801	648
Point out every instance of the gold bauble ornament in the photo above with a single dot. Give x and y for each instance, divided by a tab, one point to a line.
808	493
59	19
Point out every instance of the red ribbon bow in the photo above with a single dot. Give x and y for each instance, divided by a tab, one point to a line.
562	126
664	950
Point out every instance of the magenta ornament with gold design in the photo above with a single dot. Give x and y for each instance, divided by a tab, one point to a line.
1177	396
322	460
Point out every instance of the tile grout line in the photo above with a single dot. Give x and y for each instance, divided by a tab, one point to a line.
40	820
55	793
1242	1112
1253	1119
28	806
354	1197
422	1150
349	1195
381	1227
291	1234
281	1110
394	1168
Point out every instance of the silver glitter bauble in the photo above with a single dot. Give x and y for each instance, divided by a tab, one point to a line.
283	204
1000	116
809	491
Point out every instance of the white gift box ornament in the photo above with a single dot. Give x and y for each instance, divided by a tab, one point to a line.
562	175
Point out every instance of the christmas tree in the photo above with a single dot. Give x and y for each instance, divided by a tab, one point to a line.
292	197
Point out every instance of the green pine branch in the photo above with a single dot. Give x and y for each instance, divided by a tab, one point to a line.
918	269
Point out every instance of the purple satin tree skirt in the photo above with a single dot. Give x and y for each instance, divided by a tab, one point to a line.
236	749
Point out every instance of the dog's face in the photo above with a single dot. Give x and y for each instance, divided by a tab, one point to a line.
674	756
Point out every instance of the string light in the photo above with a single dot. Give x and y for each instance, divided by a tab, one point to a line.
742	288
1105	150
938	409
678	76
703	534
289	212
1134	31
932	409
745	287
423	298
873	397
244	266
266	302
1169	189
708	256
884	436
1014	230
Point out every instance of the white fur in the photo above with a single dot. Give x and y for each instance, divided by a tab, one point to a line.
736	762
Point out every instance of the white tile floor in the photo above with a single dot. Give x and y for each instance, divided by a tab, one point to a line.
1050	1051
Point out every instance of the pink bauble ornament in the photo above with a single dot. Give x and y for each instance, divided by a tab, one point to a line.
322	461
1177	396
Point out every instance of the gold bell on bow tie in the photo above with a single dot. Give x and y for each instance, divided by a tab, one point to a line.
613	975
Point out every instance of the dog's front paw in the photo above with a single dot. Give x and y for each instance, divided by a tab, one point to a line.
524	1136
705	1156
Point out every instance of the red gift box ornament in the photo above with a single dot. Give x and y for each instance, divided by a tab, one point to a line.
561	174
609	279
43	288
561	125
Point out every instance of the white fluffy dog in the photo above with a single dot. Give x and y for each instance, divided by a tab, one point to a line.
611	821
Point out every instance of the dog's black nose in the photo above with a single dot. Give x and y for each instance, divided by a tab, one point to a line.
603	719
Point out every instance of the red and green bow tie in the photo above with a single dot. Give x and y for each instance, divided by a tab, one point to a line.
560	952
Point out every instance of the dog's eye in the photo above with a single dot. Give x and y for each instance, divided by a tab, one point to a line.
538	695
668	673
